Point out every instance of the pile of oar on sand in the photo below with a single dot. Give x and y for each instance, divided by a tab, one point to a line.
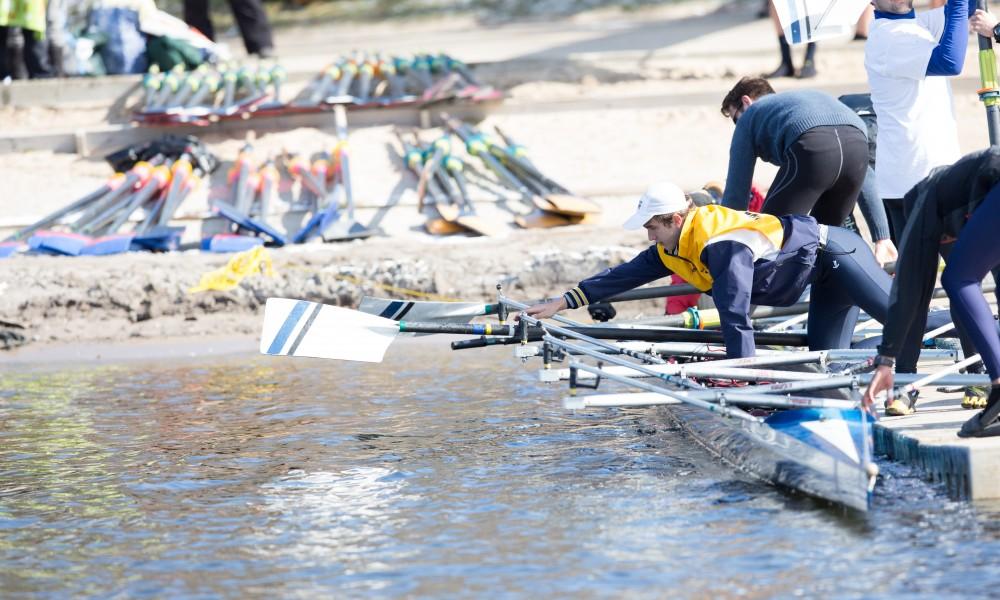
491	163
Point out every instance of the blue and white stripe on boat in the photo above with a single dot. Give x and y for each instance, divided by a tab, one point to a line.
837	432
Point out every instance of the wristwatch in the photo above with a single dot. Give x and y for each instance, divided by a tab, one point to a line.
884	361
996	33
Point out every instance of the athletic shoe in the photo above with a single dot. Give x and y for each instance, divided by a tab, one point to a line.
975	397
987	422
785	70
808	70
900	407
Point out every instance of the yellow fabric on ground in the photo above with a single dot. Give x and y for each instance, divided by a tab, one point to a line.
240	266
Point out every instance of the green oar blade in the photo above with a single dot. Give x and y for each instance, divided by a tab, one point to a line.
302	328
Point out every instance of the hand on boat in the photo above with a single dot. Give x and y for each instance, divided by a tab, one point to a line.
880	386
885	252
545	310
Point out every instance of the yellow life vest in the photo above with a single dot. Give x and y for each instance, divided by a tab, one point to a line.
705	223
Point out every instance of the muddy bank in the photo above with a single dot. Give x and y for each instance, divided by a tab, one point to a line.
147	296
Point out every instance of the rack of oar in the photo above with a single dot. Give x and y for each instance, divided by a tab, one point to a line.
502	168
209	93
130	212
233	90
374	79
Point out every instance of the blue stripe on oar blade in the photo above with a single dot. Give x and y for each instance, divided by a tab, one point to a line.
391	309
288	327
796	27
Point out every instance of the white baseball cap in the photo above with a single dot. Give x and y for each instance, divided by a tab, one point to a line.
662	198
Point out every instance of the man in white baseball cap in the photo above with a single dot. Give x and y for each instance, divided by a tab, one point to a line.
745	258
661	198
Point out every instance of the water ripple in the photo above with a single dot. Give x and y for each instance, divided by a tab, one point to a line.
425	476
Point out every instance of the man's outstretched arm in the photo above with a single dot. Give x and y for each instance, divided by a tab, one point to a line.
642	269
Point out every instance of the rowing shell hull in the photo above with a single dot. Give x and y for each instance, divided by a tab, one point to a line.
823	453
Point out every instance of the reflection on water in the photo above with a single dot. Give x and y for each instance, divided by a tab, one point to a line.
435	473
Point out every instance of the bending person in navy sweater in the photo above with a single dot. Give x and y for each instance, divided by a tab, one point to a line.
744	258
960	203
820	145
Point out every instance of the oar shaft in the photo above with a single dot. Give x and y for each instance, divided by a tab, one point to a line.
642	385
605	333
931	378
743	398
989	93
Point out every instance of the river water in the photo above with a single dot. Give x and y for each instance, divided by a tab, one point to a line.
434	474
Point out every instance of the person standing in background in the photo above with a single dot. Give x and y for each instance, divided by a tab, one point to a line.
787	68
29	17
818	142
250	18
909	57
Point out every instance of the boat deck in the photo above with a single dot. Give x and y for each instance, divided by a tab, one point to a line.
927	440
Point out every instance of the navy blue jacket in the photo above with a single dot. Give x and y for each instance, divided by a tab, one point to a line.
738	281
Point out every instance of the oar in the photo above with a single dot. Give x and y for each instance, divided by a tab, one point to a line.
117	181
441	148
238	177
342	157
989	92
336	341
158	182
557	196
413	158
423	311
715	397
913	389
467	216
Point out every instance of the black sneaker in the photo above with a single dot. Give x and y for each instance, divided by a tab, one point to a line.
785	70
808	70
987	422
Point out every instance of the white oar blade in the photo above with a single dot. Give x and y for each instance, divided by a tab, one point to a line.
805	21
423	312
301	328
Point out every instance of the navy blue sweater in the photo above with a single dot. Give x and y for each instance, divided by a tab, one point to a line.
770	126
738	280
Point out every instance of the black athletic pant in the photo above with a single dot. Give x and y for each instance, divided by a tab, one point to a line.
36	55
250	18
848	279
898	214
821	175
